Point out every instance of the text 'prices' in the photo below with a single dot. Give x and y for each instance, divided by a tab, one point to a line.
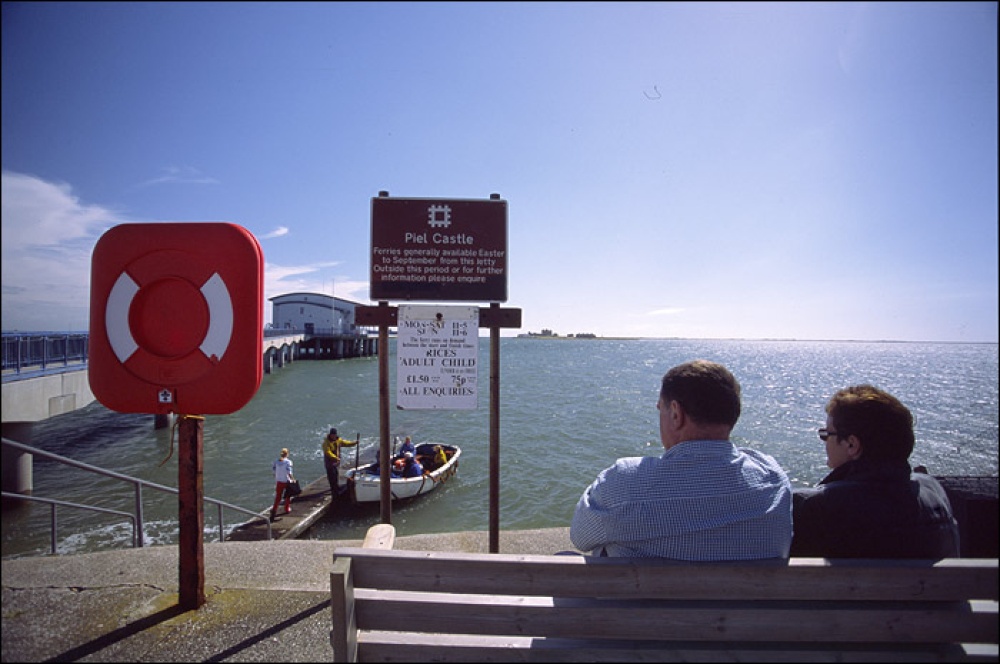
437	354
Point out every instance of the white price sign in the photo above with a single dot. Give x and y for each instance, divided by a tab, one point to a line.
437	358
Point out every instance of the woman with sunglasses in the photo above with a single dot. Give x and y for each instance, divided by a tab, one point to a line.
872	505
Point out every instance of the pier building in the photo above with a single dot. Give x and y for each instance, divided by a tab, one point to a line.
328	323
313	313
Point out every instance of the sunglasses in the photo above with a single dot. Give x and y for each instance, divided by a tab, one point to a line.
824	434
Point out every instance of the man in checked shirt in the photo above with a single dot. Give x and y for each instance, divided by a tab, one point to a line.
703	498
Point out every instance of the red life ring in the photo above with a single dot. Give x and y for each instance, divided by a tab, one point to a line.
176	315
144	306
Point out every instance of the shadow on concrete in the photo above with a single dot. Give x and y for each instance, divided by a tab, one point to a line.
111	638
270	632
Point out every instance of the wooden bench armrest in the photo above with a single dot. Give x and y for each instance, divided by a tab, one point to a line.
344	632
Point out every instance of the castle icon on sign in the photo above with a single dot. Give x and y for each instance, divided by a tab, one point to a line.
439	216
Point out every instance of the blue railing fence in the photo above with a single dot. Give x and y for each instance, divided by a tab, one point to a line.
33	354
43	351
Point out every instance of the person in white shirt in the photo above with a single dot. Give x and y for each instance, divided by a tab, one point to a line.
282	468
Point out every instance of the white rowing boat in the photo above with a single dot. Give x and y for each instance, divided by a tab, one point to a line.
365	486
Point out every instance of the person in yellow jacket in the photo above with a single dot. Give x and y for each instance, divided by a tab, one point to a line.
331	459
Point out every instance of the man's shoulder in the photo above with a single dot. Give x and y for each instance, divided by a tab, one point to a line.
635	461
925	478
930	487
630	467
759	455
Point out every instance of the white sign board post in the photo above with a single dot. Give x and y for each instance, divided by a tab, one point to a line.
437	357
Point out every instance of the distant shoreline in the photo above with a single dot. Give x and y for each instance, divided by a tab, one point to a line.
782	339
575	338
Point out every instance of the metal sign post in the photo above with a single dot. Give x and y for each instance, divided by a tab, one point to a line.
385	488
495	436
191	512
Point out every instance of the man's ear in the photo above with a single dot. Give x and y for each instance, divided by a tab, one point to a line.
677	414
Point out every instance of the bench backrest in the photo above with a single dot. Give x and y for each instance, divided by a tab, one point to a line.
419	605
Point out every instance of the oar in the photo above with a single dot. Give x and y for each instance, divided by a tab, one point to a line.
357	448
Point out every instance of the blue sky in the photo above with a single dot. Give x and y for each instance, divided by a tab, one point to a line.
713	170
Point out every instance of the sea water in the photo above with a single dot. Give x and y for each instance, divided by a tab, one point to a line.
568	409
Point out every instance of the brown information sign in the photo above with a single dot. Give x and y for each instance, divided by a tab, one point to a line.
439	250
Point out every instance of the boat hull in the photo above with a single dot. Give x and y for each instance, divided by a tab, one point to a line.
366	487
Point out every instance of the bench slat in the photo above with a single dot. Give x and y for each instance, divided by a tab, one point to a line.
579	576
403	647
673	621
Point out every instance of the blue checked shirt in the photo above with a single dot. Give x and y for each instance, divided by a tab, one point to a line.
700	500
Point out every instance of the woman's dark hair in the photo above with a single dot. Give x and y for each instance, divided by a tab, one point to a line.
707	392
879	420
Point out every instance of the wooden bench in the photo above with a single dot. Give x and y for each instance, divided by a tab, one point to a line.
392	605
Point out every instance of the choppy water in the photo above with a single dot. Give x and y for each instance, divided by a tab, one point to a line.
568	409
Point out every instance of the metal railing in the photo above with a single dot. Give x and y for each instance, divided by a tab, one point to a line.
56	503
137	535
38	352
32	354
343	331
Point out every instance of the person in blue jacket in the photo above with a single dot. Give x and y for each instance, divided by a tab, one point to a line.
411	467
